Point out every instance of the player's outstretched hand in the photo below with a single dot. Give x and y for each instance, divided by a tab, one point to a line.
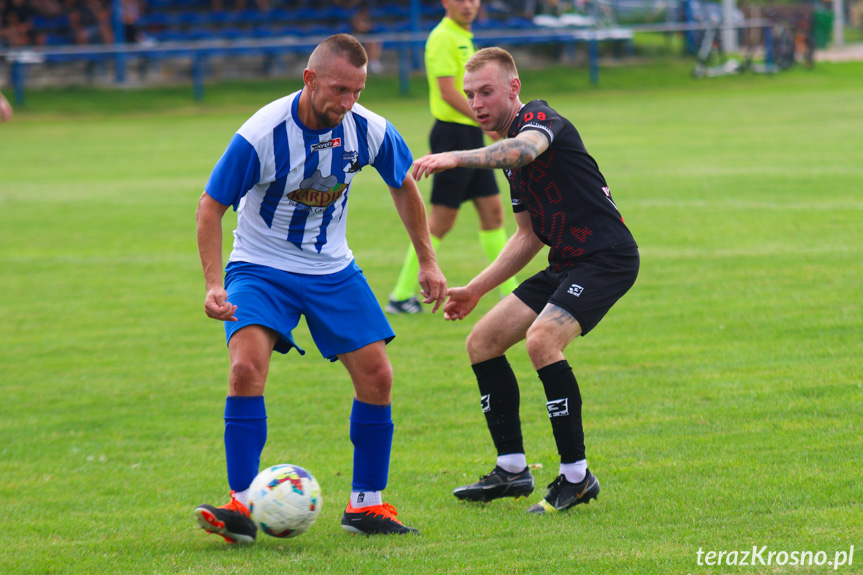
461	302
433	286
432	164
217	305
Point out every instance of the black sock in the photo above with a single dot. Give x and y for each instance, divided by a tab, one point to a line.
500	399
564	410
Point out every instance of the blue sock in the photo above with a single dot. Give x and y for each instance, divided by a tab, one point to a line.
245	436
372	436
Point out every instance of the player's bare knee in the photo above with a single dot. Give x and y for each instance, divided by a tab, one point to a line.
375	392
441	220
383	376
440	229
246	375
491	221
375	383
470	346
540	347
533	344
482	345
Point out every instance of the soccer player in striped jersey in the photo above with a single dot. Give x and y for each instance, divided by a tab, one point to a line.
288	172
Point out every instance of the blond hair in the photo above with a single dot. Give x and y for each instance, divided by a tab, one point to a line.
493	55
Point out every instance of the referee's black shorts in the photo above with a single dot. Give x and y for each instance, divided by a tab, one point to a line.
587	290
452	187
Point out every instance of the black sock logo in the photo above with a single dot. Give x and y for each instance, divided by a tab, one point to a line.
485	401
558	407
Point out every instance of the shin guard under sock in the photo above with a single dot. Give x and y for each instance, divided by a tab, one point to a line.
372	436
564	410
245	436
498	388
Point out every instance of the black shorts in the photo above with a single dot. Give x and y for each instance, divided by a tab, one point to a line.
452	187
587	290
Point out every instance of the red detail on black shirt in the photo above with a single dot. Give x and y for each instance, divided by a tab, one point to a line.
570	205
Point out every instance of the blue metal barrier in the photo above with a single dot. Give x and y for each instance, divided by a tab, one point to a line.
407	45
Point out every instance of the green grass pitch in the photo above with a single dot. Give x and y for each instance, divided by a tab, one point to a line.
722	395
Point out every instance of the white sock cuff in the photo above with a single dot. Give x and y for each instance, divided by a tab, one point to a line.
512	462
242	496
366	498
574	472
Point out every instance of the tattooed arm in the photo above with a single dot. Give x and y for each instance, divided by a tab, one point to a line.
510	153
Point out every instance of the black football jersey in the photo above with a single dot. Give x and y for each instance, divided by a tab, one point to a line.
570	205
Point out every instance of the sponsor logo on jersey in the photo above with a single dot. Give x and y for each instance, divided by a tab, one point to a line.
334	143
351	162
317	199
318	191
558	407
575	290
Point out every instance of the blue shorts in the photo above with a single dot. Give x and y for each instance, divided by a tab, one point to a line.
341	311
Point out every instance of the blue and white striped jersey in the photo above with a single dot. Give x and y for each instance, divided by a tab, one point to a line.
290	184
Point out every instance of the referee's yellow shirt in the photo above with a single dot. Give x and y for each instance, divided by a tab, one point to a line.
448	48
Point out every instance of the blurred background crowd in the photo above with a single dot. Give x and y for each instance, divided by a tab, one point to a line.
66	22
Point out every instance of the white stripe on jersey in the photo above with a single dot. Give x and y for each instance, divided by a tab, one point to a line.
293	218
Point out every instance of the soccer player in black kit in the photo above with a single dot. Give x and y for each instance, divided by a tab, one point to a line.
562	201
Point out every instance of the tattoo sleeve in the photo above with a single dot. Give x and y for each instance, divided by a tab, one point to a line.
509	153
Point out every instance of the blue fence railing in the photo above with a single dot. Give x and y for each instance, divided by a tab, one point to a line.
408	45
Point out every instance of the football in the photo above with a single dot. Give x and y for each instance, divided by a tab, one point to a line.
284	500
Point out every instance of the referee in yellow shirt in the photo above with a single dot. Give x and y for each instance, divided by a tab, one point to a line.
447	49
